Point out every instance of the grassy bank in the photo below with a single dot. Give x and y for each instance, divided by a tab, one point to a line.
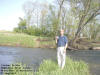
24	40
49	67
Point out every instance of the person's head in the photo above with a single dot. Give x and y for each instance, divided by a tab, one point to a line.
62	32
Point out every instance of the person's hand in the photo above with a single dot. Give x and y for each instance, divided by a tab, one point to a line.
56	37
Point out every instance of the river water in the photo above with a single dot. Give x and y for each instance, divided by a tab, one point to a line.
34	56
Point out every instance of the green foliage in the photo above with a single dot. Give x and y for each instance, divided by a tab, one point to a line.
21	26
31	31
17	30
22	22
35	31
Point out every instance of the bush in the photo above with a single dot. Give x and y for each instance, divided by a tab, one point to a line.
35	31
19	30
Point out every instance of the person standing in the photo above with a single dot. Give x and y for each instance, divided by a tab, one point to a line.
62	43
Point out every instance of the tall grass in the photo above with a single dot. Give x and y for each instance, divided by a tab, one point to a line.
49	67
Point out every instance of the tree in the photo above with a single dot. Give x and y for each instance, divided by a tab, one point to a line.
90	10
60	3
28	9
22	23
85	11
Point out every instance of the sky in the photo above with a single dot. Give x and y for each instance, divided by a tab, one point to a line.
10	11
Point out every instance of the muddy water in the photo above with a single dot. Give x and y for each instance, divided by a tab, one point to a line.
34	56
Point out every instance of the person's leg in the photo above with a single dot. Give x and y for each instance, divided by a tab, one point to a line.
59	56
63	58
64	61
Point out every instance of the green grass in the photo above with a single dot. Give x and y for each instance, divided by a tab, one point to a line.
49	67
23	40
15	39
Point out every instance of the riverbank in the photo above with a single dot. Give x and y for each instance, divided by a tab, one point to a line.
49	67
84	43
24	40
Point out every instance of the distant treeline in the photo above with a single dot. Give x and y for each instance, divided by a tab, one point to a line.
78	18
35	31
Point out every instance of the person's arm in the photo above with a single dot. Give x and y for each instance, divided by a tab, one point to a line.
66	45
56	39
66	40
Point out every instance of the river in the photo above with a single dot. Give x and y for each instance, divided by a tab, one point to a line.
34	56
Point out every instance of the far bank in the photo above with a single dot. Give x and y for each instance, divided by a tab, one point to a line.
24	40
